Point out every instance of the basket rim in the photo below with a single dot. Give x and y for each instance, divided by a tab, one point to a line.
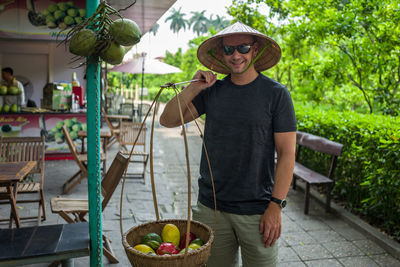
201	249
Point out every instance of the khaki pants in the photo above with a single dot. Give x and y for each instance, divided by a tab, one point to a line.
231	232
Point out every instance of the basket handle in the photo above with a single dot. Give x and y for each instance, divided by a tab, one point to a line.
151	165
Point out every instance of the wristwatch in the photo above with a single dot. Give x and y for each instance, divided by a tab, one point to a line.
280	202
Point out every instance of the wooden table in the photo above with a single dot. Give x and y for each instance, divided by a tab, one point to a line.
118	117
105	135
10	174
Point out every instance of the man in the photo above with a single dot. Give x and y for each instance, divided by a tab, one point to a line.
8	80
248	117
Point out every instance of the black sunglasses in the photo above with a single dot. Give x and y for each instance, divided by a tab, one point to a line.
242	49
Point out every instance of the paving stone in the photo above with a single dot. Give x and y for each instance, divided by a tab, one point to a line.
362	261
343	249
386	260
368	247
324	263
289	226
298	238
282	242
333	221
325	236
291	264
312	225
296	215
287	254
312	252
350	233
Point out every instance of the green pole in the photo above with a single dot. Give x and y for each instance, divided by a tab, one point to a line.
93	142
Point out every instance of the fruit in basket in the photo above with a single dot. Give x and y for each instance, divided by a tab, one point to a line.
170	233
3	90
153	240
167	248
194	246
184	250
197	241
125	32
145	249
184	237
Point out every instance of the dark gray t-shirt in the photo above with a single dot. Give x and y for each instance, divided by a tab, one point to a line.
239	135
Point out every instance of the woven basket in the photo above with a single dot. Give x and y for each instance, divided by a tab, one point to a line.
195	258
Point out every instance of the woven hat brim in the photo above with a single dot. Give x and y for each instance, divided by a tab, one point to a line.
267	60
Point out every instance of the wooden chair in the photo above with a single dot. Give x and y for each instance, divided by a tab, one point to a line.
127	109
128	134
114	128
21	149
74	210
81	160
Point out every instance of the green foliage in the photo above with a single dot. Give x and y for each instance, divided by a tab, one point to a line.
367	174
341	52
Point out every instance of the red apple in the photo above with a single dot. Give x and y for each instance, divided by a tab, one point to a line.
183	239
167	248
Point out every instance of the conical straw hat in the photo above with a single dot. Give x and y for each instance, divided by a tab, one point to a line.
209	52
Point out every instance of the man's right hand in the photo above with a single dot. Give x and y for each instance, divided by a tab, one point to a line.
170	116
207	79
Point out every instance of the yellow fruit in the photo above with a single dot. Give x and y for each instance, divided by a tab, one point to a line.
145	249
170	233
194	246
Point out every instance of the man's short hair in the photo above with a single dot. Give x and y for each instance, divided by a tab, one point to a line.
8	70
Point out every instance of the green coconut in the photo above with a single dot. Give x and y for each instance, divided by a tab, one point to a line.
125	32
113	54
83	43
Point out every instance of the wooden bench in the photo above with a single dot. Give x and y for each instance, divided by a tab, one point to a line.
310	177
47	243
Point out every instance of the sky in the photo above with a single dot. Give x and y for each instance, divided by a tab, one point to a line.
165	39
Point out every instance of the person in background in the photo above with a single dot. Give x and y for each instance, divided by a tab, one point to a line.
8	80
248	117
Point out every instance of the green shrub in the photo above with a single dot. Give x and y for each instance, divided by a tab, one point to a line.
368	171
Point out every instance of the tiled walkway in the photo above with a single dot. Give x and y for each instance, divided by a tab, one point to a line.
318	239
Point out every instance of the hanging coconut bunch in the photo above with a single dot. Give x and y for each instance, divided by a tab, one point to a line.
100	35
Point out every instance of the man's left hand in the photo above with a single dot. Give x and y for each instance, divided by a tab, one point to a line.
271	224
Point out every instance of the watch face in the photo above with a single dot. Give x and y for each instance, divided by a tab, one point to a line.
283	203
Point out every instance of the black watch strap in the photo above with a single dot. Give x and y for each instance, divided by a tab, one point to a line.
280	202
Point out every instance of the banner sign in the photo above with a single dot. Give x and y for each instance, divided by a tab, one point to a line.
39	19
48	125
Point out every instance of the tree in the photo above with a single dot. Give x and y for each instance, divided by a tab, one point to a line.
219	22
198	22
336	47
178	22
154	29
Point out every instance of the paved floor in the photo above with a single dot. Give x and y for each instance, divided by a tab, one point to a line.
318	239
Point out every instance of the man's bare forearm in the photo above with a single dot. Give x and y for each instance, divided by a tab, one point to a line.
170	116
